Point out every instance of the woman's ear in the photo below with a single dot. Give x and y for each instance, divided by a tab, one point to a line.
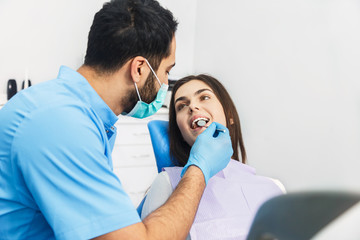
139	69
231	120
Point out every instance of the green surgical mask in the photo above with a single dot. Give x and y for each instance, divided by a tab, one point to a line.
143	109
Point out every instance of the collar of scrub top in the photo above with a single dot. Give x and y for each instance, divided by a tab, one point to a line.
84	90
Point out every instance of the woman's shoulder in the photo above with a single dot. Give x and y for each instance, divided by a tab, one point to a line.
161	181
279	184
158	193
248	170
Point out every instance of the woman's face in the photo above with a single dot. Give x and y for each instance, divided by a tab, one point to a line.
196	101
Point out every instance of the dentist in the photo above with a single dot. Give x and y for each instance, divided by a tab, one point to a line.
56	178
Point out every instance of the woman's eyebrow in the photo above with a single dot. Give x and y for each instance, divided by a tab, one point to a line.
183	98
202	90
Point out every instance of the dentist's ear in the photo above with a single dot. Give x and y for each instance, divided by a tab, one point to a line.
138	69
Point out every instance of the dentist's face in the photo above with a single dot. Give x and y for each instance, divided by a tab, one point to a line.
195	101
151	87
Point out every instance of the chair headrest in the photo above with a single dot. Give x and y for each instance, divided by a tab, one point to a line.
159	134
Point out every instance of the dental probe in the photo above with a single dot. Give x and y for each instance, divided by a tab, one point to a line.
202	123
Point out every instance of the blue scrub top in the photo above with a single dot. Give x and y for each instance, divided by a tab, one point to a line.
56	178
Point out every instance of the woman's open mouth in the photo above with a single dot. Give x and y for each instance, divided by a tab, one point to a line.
199	122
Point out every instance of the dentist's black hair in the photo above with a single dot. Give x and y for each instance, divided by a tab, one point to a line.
179	149
124	29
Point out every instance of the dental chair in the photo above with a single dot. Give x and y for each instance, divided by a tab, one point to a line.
159	134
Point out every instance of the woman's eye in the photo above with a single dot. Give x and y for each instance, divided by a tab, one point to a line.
205	97
180	106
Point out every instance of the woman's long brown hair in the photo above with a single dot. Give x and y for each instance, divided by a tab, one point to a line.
179	149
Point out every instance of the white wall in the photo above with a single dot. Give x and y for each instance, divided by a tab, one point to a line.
185	13
293	69
41	35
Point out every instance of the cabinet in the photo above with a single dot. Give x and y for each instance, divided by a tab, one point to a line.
133	156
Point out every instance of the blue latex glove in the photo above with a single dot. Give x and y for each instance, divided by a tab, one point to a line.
211	151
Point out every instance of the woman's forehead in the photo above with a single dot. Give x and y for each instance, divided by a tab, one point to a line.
191	88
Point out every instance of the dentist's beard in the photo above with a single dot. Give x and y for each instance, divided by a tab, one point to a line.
147	93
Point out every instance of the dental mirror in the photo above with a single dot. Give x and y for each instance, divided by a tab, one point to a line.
201	123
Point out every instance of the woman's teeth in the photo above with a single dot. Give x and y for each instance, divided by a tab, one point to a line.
199	122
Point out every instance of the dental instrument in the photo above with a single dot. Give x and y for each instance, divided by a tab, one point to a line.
202	123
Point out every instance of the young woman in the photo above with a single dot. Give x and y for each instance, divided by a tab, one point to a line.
231	197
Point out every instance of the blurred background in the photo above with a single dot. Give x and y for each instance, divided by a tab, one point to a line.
291	66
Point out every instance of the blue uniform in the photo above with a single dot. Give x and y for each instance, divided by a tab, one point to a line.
56	178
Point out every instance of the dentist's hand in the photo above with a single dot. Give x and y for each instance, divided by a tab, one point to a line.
211	151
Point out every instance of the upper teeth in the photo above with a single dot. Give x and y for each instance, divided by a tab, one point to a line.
199	119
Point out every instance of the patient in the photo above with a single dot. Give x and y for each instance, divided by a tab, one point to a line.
232	197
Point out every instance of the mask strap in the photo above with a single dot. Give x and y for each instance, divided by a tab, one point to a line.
152	71
137	91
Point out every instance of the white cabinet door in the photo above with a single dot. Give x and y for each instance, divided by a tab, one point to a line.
133	156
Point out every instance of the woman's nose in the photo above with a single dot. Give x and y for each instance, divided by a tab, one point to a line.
192	108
